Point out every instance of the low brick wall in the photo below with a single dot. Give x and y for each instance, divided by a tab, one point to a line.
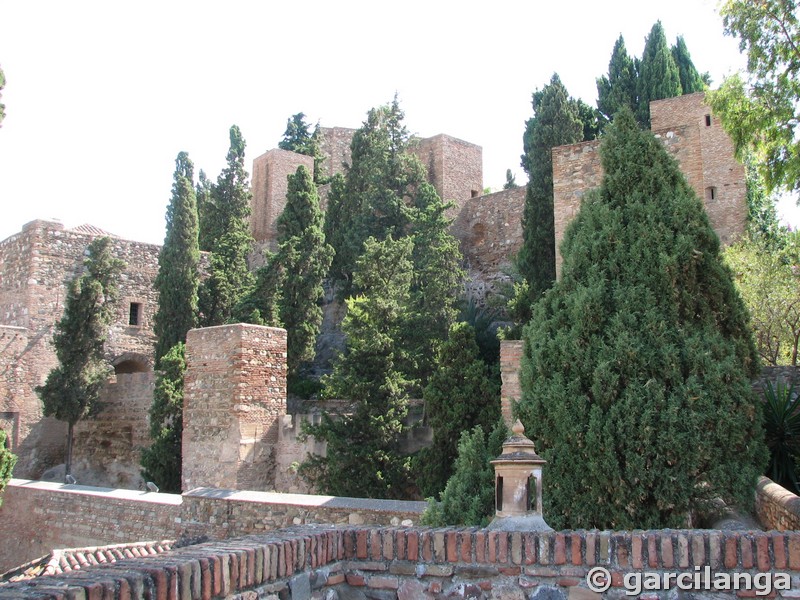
776	507
37	516
424	563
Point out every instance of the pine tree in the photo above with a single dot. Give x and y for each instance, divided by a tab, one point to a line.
228	210
306	259
7	462
619	88
178	262
363	457
637	364
659	76
690	78
459	396
72	389
162	460
555	122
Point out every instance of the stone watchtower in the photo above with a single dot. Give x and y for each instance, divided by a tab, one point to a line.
704	153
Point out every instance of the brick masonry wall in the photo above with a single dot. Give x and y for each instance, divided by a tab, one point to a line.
489	229
108	446
424	563
704	154
269	186
234	398
335	146
510	391
776	507
36	516
35	268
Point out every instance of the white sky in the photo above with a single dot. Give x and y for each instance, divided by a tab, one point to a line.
101	96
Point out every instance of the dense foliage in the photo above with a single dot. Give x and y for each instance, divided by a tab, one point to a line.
637	364
760	110
782	433
161	462
363	457
299	138
459	396
305	258
72	389
468	498
178	262
662	72
227	234
555	122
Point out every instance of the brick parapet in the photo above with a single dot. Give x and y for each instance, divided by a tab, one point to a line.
423	563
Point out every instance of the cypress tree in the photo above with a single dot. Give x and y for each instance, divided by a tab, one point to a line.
363	458
659	76
162	460
72	389
205	209
619	88
555	123
178	261
261	304
305	258
637	364
690	78
229	209
459	396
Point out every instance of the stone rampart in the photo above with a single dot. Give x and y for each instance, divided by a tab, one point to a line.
776	507
421	564
37	516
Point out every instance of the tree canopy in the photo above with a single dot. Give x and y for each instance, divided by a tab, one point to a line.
637	363
72	389
761	110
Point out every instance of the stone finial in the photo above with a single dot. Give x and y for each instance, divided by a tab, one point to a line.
518	428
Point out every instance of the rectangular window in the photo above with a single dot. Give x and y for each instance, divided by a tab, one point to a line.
135	314
708	120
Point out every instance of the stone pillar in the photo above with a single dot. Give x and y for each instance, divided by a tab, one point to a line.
234	399
510	392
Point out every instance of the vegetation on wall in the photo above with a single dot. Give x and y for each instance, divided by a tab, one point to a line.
7	462
72	389
637	365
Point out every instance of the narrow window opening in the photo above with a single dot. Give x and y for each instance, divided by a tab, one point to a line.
711	193
135	314
474	193
498	494
531	487
708	120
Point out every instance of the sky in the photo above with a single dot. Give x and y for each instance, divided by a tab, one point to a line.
101	96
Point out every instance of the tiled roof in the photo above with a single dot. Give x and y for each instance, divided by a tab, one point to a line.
65	560
92	230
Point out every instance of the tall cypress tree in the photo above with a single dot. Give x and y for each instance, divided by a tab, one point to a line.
178	261
690	78
659	76
305	257
618	89
555	123
229	209
637	364
363	457
72	389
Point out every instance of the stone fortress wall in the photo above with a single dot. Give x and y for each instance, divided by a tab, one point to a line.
37	263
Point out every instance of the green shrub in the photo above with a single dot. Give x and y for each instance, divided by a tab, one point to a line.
782	433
